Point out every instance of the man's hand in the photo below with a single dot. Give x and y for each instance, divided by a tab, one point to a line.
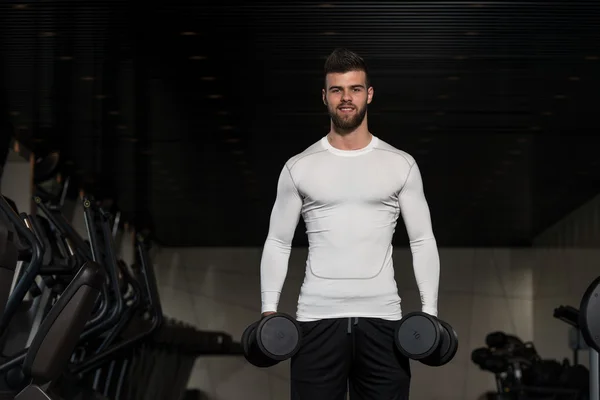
430	310
267	313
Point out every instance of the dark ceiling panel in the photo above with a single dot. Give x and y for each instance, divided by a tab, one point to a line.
191	108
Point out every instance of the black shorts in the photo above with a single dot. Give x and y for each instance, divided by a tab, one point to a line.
355	355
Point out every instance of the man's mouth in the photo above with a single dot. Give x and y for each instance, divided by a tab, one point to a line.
346	109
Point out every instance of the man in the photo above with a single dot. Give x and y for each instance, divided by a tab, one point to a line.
350	187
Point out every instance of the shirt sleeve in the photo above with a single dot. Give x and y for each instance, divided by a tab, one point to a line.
278	245
425	256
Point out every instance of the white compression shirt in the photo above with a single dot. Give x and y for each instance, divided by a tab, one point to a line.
350	201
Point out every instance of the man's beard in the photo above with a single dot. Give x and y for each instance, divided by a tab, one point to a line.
346	124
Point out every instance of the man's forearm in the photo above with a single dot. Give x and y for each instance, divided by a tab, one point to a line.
426	260
273	271
426	263
278	246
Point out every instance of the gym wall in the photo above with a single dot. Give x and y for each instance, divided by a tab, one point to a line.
581	228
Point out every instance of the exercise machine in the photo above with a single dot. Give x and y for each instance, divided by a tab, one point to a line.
79	323
522	374
585	323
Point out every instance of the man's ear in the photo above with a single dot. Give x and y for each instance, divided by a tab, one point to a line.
324	96
370	93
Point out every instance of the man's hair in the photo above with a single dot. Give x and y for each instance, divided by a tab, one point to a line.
342	60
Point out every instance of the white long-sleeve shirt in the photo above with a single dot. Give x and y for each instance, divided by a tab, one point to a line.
350	201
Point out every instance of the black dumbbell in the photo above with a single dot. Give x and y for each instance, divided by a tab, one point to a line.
270	340
427	339
489	361
500	340
588	315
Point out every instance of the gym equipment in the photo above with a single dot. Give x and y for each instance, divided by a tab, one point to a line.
56	338
8	261
589	315
522	374
501	340
427	339
46	166
488	361
79	323
586	321
272	339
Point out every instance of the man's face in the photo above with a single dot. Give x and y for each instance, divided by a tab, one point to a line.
346	96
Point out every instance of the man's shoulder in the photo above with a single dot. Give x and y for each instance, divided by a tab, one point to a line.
394	152
314	149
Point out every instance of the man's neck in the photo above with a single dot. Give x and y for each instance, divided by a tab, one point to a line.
355	140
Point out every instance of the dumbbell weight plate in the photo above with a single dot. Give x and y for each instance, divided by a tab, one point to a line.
252	352
589	308
278	336
418	335
447	349
246	337
453	348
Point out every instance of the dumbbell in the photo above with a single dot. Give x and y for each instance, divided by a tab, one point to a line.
272	339
425	338
500	340
489	361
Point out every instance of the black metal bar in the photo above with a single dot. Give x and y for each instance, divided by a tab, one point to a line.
150	278
14	361
90	225
55	217
111	267
128	314
235	349
568	315
24	284
154	304
37	230
99	359
84	251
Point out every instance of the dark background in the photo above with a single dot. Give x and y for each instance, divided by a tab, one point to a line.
184	112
